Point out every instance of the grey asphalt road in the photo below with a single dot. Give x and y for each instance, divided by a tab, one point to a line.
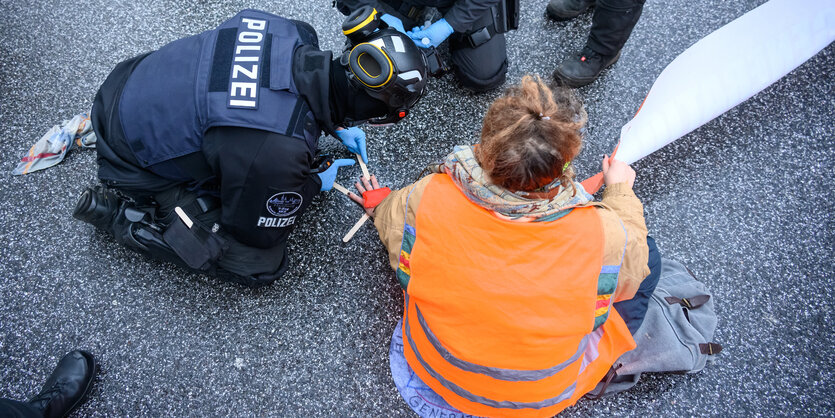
746	202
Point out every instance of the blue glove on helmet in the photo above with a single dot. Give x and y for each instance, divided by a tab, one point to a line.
329	176
432	35
354	139
393	22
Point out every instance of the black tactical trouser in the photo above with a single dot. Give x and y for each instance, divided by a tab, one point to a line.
612	23
481	68
143	206
150	225
16	409
237	262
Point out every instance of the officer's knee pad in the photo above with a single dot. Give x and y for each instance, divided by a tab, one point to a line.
480	83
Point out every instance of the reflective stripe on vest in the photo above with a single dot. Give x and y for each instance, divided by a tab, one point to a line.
494	372
587	349
487	337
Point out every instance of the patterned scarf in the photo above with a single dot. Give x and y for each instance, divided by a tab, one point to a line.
462	167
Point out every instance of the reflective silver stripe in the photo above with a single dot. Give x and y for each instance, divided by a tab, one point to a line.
511	375
591	350
458	390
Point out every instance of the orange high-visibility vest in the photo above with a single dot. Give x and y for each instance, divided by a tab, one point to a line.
507	318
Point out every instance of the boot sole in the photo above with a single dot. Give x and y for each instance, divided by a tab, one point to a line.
580	82
89	388
561	17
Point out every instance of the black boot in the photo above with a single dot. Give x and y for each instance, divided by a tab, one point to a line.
583	68
97	206
567	9
67	386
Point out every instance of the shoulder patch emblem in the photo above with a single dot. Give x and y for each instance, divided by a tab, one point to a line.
284	203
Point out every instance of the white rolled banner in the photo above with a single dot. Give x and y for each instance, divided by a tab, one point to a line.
726	68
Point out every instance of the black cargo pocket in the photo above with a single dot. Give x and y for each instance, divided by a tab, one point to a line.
197	247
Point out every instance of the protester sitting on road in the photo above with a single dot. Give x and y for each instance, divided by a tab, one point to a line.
510	268
65	389
207	147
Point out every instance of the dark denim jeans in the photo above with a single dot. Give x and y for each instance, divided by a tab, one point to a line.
633	310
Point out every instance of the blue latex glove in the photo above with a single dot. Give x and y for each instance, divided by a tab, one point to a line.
435	34
354	139
393	22
329	176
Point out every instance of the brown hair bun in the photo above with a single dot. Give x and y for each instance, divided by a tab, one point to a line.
529	134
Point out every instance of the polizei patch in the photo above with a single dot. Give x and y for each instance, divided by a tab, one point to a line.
284	203
246	64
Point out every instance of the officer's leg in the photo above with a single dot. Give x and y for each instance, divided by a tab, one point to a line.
612	24
17	409
238	263
481	68
634	310
252	266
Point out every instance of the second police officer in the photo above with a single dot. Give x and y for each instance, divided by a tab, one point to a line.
475	30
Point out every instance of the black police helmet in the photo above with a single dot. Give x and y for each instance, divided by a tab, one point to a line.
384	62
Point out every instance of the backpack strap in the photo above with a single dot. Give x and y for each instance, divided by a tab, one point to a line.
690	303
710	348
605	382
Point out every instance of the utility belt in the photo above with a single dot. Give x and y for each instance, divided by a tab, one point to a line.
502	18
412	11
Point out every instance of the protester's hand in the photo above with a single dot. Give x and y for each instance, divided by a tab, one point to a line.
362	188
435	34
354	139
329	176
393	22
616	171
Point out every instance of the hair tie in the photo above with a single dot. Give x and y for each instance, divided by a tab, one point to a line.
544	117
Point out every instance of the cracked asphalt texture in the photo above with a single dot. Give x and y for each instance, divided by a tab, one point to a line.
746	202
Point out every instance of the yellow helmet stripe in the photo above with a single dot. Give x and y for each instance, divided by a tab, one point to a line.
362	24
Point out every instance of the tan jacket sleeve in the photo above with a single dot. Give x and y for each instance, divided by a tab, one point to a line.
622	211
391	215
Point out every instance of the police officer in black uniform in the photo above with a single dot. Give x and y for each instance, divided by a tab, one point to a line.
207	147
475	29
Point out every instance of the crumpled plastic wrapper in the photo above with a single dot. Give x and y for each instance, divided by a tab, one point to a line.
55	143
